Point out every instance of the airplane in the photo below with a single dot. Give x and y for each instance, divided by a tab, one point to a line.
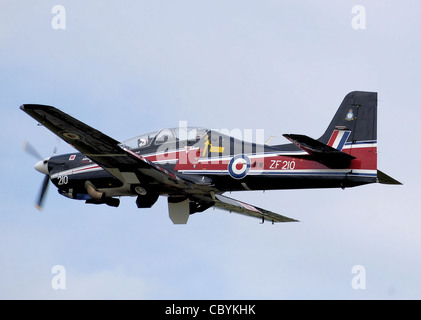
193	167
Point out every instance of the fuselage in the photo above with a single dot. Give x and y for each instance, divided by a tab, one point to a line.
218	162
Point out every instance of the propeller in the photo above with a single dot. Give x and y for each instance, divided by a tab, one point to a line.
28	148
42	193
40	166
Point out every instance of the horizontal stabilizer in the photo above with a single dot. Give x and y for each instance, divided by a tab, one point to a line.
385	179
327	155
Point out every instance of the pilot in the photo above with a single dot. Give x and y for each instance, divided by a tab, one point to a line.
142	142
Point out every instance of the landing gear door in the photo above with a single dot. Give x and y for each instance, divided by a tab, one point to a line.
179	211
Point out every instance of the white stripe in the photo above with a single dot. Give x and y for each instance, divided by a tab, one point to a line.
88	168
338	139
298	171
361	145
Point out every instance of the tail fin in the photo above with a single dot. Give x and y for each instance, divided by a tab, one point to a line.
357	114
350	140
353	130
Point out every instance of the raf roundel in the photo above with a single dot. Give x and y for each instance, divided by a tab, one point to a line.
239	166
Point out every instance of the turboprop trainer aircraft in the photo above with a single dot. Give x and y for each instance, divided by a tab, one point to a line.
193	167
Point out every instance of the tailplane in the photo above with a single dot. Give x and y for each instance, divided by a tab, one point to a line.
385	179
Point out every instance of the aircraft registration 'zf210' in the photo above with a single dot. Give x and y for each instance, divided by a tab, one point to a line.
193	167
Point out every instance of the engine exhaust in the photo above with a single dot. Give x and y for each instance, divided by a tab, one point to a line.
93	192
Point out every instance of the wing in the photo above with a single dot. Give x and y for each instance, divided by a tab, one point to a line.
331	157
125	165
232	205
102	149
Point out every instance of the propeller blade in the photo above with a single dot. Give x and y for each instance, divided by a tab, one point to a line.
28	148
56	146
41	166
42	193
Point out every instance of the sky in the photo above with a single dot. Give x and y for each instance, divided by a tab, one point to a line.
131	67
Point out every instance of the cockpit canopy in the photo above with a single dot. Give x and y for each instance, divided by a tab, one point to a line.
167	135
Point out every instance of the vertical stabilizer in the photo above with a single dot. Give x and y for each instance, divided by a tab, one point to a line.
357	114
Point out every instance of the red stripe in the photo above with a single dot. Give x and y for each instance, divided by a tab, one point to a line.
366	159
333	138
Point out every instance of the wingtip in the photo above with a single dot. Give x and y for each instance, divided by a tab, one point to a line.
29	106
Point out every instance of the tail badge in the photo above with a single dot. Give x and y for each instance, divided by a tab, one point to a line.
350	115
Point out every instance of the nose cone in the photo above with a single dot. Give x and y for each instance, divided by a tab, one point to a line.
42	166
